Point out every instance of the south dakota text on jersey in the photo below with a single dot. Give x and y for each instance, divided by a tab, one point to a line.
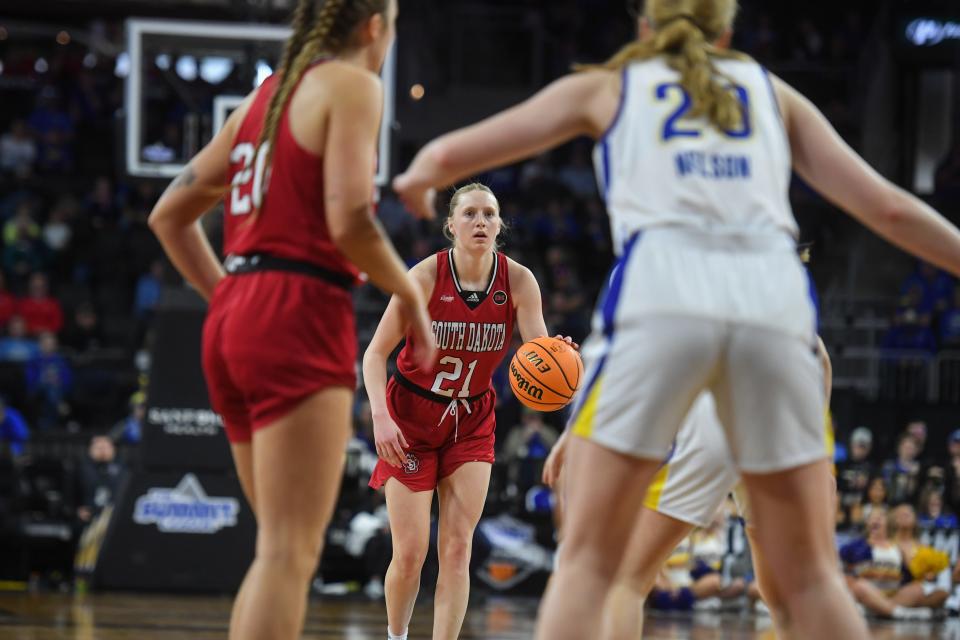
470	336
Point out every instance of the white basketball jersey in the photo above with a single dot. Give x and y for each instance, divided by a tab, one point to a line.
656	166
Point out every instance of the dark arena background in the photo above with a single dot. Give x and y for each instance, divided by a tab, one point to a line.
120	514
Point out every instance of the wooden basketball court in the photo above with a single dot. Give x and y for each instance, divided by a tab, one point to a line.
154	617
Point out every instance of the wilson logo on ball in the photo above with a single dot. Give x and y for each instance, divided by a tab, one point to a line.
520	383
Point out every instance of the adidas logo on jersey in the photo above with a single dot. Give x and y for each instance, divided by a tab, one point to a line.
446	298
473	297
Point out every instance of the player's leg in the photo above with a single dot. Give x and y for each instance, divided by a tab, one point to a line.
654	537
596	531
297	465
462	496
409	514
770	398
243	462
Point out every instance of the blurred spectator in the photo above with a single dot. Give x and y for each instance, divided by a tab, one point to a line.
17	346
8	302
917	429
903	474
41	311
876	498
13	428
525	449
130	429
578	175
950	323
54	131
952	479
876	568
147	295
21	226
854	473
809	42
100	473
57	231
84	333
49	381
18	151
911	326
933	514
101	206
933	287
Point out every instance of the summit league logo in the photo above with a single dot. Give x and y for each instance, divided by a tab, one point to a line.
185	509
500	297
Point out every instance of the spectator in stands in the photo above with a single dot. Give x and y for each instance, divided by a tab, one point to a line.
130	429
8	302
904	473
54	130
578	175
58	234
935	288
911	325
49	382
14	431
100	473
22	225
933	514
17	346
147	295
41	310
917	429
952	479
876	568
950	322
854	473
875	499
84	334
18	150
101	206
526	448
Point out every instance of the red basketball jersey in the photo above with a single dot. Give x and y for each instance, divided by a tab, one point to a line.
291	222
471	342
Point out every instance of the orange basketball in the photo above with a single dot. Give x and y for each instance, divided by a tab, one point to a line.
545	373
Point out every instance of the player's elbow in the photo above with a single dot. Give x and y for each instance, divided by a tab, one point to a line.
348	225
893	208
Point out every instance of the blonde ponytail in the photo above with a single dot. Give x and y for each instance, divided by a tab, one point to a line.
684	31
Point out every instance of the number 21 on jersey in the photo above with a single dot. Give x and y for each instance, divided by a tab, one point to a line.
248	184
453	376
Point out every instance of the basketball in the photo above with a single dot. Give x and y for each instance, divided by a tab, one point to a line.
545	373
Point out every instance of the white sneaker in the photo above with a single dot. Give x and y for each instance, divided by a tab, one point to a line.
373	589
761	608
707	604
912	613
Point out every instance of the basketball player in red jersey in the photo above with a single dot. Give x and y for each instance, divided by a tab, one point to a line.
434	425
279	342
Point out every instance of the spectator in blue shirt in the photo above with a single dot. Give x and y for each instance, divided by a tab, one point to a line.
148	291
49	382
17	347
13	428
950	323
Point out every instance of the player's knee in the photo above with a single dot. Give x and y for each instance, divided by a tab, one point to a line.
455	553
408	557
301	562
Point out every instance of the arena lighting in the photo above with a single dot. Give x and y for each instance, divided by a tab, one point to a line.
187	68
122	68
63	38
41	65
263	72
162	61
90	60
215	69
417	91
929	32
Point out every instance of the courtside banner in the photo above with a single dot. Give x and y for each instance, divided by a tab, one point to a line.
181	431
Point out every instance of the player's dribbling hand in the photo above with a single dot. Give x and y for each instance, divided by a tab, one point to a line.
389	441
418	201
568	340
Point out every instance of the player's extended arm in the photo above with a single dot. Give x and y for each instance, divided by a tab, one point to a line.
175	216
831	167
578	104
526	295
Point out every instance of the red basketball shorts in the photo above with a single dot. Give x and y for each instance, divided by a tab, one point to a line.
440	440
270	340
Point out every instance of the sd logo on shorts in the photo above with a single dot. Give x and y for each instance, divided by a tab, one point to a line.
412	464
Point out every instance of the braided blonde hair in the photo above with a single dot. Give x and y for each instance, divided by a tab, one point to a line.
684	32
320	27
